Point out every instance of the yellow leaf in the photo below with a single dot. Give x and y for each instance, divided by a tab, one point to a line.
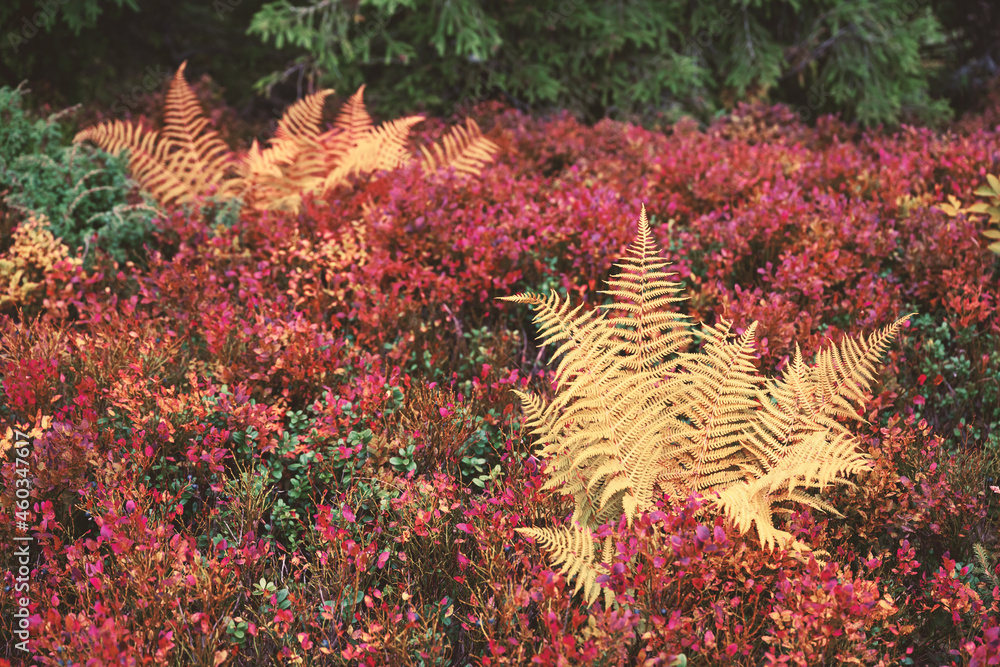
994	183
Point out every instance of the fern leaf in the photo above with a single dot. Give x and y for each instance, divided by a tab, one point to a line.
464	148
980	552
270	186
571	548
716	393
635	411
353	120
295	162
189	160
298	137
148	159
202	152
382	148
843	376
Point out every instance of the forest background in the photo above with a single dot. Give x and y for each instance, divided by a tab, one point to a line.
875	61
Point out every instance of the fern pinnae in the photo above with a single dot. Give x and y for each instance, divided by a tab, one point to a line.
382	148
571	549
203	153
980	552
843	375
463	148
297	140
353	120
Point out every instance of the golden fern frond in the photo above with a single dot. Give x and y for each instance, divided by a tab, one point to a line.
610	398
716	393
268	184
294	163
634	411
571	548
746	506
646	289
464	148
537	416
583	338
382	148
814	462
351	127
807	398
842	377
203	153
148	160
353	120
297	141
188	161
300	122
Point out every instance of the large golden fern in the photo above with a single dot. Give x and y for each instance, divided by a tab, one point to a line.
190	160
635	411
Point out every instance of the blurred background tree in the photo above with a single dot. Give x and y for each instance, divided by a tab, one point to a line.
874	61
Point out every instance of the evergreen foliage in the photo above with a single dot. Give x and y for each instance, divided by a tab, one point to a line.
78	190
868	59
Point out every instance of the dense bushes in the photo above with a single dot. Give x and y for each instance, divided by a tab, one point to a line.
237	455
78	190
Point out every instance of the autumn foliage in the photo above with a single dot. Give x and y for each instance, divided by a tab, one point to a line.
292	440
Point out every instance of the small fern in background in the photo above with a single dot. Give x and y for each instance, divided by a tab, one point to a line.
991	208
635	412
189	160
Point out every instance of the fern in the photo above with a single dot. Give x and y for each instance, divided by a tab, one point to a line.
636	412
353	124
190	160
984	564
295	162
382	148
464	148
990	208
